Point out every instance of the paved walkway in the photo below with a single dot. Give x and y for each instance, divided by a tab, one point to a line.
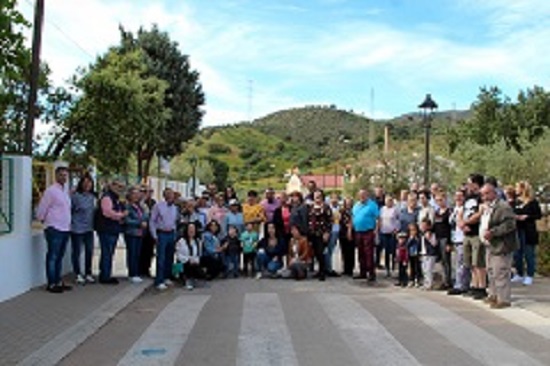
39	328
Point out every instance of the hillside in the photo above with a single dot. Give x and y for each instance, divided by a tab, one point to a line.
313	138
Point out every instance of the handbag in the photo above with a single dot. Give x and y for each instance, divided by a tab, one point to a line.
177	268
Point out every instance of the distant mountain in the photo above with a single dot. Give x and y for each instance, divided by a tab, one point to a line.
310	137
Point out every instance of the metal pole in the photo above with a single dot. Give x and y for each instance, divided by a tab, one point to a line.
427	156
35	73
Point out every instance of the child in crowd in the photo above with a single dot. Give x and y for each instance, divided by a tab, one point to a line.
232	247
429	251
249	239
298	255
413	247
402	259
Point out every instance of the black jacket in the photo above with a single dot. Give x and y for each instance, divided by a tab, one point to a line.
299	218
529	225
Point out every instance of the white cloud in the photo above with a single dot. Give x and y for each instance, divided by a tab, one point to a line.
228	52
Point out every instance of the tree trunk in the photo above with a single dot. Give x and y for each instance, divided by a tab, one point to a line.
147	166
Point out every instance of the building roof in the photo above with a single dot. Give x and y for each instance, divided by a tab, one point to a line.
324	181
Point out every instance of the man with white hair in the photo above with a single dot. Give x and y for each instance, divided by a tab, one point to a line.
498	231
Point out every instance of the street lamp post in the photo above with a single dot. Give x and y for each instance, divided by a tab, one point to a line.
193	161
427	106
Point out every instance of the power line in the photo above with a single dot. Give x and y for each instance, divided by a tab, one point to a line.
62	32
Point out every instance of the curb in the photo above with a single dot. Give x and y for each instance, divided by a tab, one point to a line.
64	343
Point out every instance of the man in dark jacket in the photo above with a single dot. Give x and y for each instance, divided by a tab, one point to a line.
498	232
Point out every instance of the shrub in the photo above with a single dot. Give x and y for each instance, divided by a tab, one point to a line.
216	149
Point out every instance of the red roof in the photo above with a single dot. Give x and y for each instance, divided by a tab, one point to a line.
324	181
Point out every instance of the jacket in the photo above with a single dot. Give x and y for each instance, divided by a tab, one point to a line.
502	225
528	227
134	220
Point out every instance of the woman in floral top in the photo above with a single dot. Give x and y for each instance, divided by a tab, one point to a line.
320	226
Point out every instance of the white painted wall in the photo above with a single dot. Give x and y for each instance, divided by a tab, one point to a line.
23	251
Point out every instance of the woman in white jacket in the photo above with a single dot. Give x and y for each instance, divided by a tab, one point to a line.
188	250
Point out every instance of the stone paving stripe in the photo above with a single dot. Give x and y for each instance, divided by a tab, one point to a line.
162	341
64	343
264	338
370	341
526	319
478	343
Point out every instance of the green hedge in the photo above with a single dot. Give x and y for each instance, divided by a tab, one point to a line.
543	254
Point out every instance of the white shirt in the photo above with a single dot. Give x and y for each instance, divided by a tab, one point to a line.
484	221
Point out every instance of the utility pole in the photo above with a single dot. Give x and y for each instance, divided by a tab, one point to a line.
35	73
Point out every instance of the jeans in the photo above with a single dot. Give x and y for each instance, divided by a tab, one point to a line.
462	273
165	256
107	242
388	243
428	264
330	250
232	262
446	261
526	252
265	263
348	254
57	244
133	248
77	240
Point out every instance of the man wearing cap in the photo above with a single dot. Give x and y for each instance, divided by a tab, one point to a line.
233	217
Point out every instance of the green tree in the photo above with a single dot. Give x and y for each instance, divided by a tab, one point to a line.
13	53
120	106
184	96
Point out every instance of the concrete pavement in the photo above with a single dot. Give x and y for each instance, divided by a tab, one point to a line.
249	322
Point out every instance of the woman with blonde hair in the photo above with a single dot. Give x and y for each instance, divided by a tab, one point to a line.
527	213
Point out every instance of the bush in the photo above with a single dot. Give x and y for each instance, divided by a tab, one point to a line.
543	254
216	149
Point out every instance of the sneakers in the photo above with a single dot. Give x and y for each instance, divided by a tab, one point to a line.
258	275
455	292
168	282
80	280
490	300
189	285
528	281
136	279
162	287
517	279
90	279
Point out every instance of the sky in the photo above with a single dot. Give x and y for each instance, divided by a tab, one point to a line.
375	57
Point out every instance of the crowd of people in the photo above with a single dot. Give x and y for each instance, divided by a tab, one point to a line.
480	240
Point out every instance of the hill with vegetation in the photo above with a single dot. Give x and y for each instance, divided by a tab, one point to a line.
314	138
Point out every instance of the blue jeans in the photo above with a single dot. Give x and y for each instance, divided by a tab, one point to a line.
133	248
107	242
165	256
77	240
387	241
266	263
232	263
57	243
526	252
330	249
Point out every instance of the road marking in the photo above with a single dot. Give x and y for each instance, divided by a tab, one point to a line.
264	338
162	341
521	317
64	343
475	341
369	340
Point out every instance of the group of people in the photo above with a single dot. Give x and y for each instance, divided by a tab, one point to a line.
476	239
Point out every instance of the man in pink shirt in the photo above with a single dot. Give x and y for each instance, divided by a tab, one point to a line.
54	210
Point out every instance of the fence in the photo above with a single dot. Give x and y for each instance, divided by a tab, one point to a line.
6	195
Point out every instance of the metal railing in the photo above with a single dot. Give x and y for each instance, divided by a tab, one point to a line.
6	195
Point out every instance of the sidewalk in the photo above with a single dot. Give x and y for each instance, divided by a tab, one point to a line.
39	328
